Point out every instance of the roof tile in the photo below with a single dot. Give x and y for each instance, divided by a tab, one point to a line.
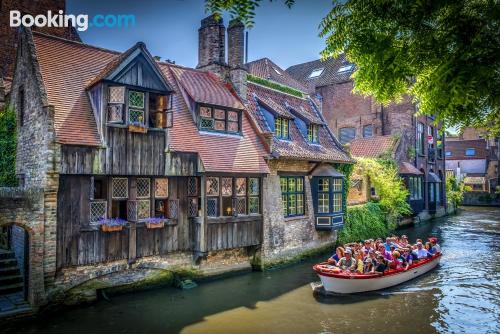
372	147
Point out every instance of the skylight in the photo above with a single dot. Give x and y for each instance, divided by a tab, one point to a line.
345	68
276	70
316	73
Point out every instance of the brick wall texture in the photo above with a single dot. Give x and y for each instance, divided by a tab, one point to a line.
8	35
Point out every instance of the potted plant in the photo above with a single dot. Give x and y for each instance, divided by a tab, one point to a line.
155	222
112	224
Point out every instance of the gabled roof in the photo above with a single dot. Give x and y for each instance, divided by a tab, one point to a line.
218	152
205	87
116	69
458	147
67	67
264	68
329	75
408	168
373	147
297	147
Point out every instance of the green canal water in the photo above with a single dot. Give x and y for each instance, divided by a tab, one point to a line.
460	296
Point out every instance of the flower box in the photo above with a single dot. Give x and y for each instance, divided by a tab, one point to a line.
112	224
137	128
154	222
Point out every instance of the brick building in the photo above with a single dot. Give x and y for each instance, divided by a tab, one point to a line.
140	165
353	117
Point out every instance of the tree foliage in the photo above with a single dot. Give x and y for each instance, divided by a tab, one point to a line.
8	143
454	191
389	187
443	53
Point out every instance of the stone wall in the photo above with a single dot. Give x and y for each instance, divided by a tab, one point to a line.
25	209
285	238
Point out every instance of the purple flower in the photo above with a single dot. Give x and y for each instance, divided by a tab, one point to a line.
113	222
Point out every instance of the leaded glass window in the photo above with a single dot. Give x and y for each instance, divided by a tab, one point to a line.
161	188
193	197
292	191
143	187
237	196
119	187
116	101
136	114
212	186
217	119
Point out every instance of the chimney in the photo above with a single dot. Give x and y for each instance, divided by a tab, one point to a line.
236	43
236	51
211	45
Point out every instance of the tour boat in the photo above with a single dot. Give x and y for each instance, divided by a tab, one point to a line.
338	281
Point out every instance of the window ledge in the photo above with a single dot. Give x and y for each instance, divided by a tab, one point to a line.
221	134
231	219
293	218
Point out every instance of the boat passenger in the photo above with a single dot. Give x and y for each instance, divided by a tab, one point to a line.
385	254
387	244
403	242
399	261
339	253
367	247
368	265
429	249
381	265
408	256
422	253
435	245
348	262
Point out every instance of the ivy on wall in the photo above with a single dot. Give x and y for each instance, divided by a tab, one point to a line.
363	222
8	143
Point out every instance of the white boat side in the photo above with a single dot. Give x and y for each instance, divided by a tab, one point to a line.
346	285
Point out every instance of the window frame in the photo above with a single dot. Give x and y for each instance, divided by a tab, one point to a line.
341	135
286	196
313	133
226	119
420	138
280	130
234	196
365	127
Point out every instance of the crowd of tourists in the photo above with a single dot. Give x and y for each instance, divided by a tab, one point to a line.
378	256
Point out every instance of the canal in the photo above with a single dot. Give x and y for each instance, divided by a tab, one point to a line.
461	295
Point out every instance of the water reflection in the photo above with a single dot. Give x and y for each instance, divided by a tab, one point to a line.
462	295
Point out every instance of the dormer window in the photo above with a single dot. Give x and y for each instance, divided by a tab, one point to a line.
141	110
312	133
316	73
219	119
281	128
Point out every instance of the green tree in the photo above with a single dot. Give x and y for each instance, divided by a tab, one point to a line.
443	53
8	144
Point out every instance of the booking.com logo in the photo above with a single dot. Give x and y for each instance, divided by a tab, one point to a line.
81	22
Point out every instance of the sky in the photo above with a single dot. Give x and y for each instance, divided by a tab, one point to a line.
170	28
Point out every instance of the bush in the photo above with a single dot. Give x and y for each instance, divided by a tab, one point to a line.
8	143
454	191
364	222
384	176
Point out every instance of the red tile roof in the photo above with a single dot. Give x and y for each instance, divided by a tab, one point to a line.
372	147
297	147
218	152
457	149
266	69
408	168
206	87
67	67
